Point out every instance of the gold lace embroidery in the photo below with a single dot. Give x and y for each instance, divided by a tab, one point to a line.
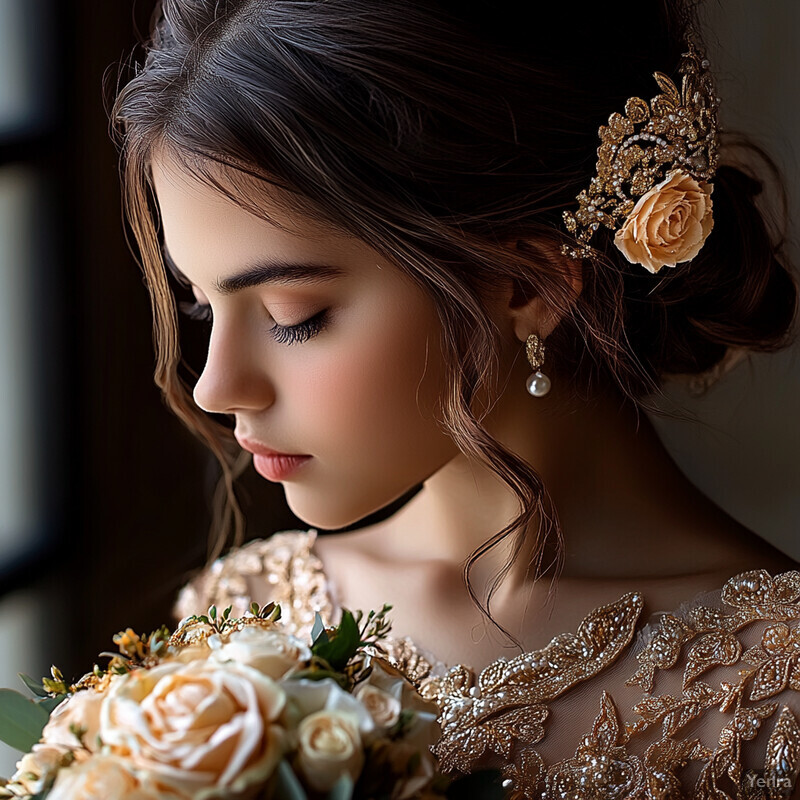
297	581
505	716
507	704
286	562
499	719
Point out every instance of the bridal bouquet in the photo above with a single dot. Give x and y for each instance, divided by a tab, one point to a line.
228	709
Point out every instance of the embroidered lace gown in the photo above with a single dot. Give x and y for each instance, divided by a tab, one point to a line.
702	702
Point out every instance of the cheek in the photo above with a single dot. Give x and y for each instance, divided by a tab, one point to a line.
378	381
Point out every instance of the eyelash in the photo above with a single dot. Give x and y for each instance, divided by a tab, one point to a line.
283	334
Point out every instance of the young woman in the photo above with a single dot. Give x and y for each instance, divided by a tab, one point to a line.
421	269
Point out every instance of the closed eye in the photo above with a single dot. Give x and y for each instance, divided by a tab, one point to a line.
283	334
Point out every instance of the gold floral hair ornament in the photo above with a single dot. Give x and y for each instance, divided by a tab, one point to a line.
654	168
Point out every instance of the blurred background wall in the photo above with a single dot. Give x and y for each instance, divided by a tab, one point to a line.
103	497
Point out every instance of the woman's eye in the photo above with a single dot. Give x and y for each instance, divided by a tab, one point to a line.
283	334
302	332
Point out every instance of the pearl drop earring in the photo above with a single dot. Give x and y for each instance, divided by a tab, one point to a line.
538	384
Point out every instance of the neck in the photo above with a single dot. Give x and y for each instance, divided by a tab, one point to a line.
625	508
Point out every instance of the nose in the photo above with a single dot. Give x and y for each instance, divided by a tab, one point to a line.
234	377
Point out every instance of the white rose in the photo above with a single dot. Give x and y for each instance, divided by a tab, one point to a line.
104	777
203	728
271	652
329	746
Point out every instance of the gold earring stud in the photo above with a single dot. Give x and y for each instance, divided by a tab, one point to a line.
538	384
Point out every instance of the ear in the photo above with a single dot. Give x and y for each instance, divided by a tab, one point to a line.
528	310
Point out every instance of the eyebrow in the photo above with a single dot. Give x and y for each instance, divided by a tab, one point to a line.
266	271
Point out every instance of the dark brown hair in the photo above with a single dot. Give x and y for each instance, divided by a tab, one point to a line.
438	133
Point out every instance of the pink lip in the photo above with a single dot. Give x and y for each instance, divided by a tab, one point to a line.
272	464
277	468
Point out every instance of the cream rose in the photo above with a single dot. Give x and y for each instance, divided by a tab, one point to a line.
203	728
104	777
81	711
332	726
421	733
668	224
383	708
270	652
329	745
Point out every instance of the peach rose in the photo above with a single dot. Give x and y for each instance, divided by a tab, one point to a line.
271	652
668	224
37	770
82	710
329	745
204	728
106	777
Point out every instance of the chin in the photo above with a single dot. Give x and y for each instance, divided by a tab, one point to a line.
312	508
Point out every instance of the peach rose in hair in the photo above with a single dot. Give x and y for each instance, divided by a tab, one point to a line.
669	224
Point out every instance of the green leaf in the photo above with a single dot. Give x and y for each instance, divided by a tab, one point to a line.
342	789
288	787
34	685
342	646
49	704
318	629
21	720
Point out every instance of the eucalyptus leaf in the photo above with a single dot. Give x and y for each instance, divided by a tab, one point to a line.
34	685
49	704
342	789
287	786
21	720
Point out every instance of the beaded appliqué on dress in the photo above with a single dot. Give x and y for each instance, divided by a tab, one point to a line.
296	579
505	710
500	718
766	670
286	562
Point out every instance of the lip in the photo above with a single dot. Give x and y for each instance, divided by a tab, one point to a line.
277	468
256	448
272	464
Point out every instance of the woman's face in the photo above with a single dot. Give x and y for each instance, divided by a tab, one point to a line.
344	366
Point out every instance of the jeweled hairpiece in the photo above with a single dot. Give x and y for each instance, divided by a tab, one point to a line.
653	170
